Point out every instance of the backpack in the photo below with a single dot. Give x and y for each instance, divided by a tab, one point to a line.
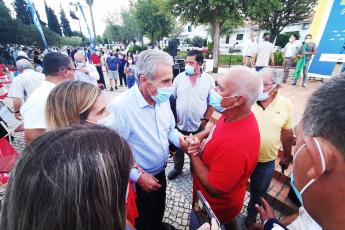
112	63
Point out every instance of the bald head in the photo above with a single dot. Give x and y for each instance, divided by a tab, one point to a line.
242	81
23	64
271	76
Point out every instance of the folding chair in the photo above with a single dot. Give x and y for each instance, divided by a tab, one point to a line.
6	116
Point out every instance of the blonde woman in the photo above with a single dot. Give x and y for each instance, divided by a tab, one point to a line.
76	102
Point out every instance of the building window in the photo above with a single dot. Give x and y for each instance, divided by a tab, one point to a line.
239	37
227	39
189	28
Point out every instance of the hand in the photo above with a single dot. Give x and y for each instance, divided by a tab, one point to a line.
265	212
285	162
206	226
18	116
193	145
148	183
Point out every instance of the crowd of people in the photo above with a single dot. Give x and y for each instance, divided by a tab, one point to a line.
90	165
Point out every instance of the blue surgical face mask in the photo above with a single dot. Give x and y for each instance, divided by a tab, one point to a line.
163	94
190	70
107	121
292	181
215	102
263	96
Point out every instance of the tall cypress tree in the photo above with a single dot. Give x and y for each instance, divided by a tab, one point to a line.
66	28
53	22
23	13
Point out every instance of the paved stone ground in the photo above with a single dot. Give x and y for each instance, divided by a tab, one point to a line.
179	191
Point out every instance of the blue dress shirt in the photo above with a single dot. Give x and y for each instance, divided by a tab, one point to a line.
148	129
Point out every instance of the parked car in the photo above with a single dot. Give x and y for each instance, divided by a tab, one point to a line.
187	47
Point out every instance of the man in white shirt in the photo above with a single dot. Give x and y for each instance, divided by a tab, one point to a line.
85	71
249	51
265	52
58	68
24	84
289	52
191	90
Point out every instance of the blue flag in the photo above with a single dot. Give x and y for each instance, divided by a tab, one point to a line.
37	22
91	38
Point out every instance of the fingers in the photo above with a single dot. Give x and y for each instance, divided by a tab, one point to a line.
264	203
261	212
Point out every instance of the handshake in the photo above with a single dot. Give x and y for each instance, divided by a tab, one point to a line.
191	144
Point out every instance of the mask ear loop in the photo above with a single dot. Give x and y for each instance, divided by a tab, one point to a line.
322	163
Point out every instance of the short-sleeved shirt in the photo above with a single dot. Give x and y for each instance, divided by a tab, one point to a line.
95	59
275	117
25	84
91	78
310	46
230	155
191	100
33	110
290	49
250	48
265	49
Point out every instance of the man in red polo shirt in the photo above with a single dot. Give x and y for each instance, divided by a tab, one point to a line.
230	152
96	60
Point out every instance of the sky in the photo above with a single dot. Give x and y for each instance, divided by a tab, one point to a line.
101	8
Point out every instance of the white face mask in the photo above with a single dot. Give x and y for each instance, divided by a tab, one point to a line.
291	39
307	40
107	121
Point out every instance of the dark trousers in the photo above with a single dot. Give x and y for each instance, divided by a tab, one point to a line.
179	155
101	76
260	181
151	206
122	76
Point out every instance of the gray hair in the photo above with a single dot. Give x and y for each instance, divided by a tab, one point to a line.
324	115
276	75
23	64
249	83
148	60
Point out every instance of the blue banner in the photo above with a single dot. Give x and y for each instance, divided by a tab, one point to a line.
91	38
37	22
332	39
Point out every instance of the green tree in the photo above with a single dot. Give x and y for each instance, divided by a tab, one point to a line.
153	19
198	41
22	11
215	12
66	28
130	28
113	33
274	15
53	22
7	25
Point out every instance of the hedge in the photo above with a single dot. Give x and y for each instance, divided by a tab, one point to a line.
236	59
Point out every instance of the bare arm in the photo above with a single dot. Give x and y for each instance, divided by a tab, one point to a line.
286	138
272	59
201	172
32	134
17	104
207	116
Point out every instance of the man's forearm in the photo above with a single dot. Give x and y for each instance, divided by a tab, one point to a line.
201	172
17	104
209	112
287	141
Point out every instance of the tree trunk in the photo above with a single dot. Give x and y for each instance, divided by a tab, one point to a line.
274	33
216	39
93	22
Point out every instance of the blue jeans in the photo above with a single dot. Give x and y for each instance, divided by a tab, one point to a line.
130	81
260	181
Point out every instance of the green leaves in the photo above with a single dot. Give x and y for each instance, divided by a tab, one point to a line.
66	28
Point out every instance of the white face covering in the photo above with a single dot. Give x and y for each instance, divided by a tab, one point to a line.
107	121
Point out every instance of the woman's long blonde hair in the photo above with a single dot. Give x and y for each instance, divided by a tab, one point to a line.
69	103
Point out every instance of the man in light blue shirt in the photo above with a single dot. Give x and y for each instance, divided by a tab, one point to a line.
144	119
191	90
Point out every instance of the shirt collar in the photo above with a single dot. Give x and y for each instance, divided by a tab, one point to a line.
139	97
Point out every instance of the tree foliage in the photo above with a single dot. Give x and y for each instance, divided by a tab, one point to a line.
22	11
198	41
153	19
66	28
15	31
53	22
215	12
274	15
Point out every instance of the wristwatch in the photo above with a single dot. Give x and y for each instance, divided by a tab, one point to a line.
17	112
204	119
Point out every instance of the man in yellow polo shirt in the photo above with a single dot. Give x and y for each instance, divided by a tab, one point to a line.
273	113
